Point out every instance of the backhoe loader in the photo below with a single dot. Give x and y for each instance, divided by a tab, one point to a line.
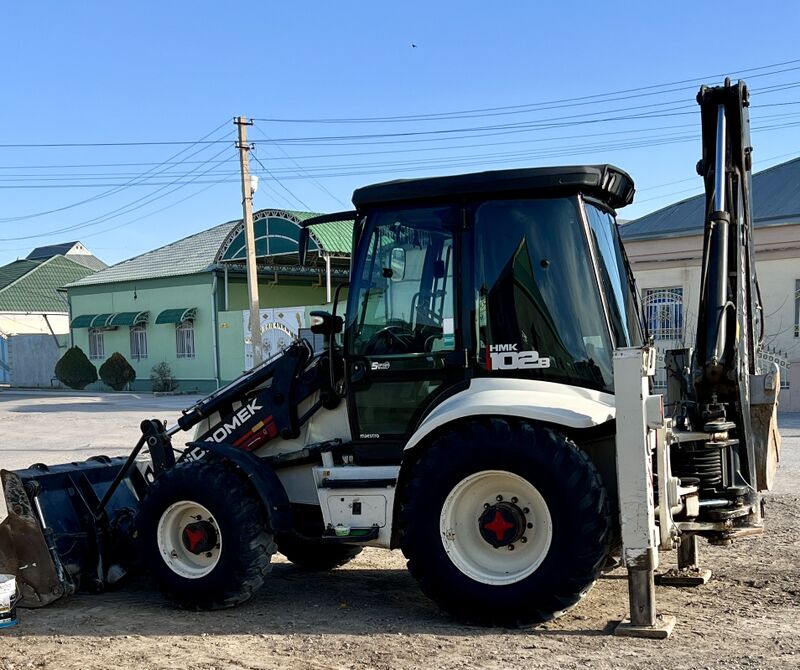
483	404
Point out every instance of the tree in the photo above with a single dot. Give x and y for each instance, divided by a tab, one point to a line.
116	372
75	370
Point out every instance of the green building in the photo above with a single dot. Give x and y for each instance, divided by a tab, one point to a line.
186	303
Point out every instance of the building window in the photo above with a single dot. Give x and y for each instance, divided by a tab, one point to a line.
797	307
96	348
184	339
138	342
664	312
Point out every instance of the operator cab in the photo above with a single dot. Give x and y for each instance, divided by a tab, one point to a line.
513	273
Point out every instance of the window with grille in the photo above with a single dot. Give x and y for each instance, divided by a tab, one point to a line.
138	342
184	339
664	312
96	348
797	307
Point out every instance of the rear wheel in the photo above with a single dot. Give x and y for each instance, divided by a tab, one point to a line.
504	522
203	536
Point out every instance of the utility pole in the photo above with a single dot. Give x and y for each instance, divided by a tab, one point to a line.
250	238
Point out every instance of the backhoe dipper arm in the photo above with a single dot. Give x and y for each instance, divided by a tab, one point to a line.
728	312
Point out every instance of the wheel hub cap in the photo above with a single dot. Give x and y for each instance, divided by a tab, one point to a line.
199	537
502	524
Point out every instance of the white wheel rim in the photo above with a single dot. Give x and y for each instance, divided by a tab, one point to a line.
173	549
461	535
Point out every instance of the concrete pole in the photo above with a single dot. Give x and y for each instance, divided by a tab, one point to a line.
250	239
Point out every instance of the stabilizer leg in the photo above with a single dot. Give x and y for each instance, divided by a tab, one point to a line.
689	572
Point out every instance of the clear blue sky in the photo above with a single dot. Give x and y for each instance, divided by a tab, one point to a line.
148	71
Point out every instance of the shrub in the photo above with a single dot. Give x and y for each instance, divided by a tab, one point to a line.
116	372
75	370
161	376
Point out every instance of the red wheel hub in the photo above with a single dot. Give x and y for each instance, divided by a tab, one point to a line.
502	524
199	537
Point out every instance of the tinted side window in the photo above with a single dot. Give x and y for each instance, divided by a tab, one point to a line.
536	291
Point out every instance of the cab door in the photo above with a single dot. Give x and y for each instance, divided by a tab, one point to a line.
401	339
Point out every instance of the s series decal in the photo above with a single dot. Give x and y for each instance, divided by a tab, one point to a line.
506	357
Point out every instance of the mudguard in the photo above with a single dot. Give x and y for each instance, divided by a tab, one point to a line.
262	477
547	402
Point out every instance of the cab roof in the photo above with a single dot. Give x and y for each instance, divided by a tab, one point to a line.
604	182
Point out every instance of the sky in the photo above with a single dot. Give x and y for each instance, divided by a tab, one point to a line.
347	93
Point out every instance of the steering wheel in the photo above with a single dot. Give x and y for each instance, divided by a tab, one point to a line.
390	340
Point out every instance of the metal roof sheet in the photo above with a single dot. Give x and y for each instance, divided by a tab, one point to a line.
32	286
176	315
776	200
128	318
197	253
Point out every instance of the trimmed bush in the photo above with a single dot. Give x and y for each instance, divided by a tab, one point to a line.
116	372
75	370
162	378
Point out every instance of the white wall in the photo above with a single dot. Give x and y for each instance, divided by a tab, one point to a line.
19	324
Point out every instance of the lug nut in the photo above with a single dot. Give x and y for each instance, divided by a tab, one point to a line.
499	498
486	505
523	539
208	554
530	525
515	500
526	511
511	547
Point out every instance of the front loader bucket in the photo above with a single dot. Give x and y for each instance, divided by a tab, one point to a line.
23	549
57	538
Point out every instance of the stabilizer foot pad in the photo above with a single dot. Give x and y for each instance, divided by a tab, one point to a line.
685	577
661	631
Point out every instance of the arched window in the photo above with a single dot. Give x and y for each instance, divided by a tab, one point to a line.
184	339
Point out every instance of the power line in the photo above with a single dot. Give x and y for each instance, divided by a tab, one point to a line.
538	106
280	183
112	191
121	211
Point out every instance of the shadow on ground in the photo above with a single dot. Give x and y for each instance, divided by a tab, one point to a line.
349	601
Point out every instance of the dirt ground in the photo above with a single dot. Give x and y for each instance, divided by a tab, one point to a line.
370	613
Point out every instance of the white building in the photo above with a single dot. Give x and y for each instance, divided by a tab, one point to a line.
665	250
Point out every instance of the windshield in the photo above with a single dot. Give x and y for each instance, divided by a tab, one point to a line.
402	300
539	309
617	284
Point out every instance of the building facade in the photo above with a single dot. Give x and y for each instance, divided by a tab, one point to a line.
186	304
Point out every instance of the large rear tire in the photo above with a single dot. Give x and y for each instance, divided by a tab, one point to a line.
504	522
202	534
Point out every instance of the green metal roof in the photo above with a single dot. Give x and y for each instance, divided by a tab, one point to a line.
82	321
201	252
128	318
191	255
176	315
32	286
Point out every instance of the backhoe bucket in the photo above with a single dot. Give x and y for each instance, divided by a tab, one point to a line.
57	537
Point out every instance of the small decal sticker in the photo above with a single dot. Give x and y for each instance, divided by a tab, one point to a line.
506	357
377	365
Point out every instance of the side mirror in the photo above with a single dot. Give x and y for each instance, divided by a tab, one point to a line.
302	246
397	262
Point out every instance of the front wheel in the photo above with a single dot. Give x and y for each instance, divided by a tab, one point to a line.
203	536
504	522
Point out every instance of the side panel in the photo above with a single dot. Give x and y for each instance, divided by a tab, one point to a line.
548	402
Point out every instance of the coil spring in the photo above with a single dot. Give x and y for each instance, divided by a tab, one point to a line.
704	464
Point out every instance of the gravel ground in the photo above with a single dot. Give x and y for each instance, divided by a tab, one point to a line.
370	613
